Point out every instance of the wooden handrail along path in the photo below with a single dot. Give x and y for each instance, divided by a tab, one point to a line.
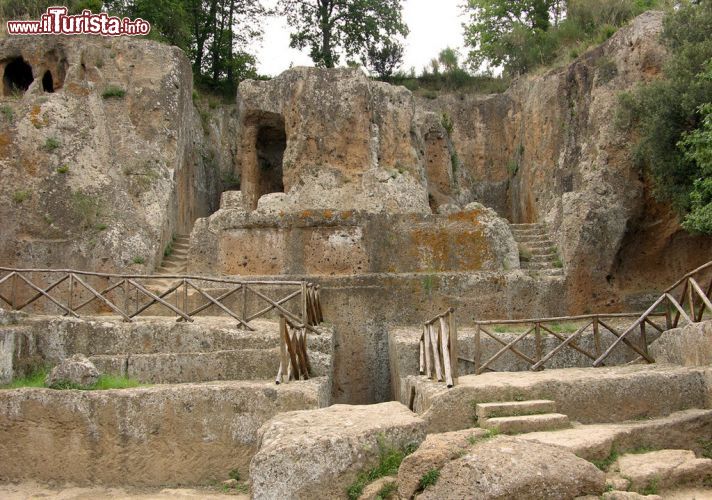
129	296
438	348
695	294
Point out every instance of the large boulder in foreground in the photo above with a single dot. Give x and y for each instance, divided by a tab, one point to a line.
433	454
508	467
318	453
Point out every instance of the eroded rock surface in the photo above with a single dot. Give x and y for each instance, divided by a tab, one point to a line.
100	170
505	467
318	454
76	370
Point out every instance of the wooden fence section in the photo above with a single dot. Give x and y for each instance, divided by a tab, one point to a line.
293	355
596	323
694	300
438	348
128	296
697	298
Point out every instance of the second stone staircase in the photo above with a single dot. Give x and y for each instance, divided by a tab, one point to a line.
516	417
537	251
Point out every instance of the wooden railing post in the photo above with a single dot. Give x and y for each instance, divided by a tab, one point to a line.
13	292
643	338
454	351
70	300
305	319
537	337
596	337
691	298
478	349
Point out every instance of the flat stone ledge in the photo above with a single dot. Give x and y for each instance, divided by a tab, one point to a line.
188	434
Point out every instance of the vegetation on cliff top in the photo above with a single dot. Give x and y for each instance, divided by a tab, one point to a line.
672	117
520	36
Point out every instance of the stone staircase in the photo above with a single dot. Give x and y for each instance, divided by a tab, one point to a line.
177	261
537	251
516	417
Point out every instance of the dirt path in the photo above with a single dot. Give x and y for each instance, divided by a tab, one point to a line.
26	491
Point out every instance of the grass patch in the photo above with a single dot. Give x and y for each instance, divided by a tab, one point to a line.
525	254
387	491
652	488
489	434
113	92
138	260
20	196
7	113
706	445
87	208
389	461
101	227
562	327
37	379
169	249
429	479
52	143
558	263
63	169
606	463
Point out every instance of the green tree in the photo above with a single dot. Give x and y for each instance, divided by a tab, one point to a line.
671	116
332	27
500	32
384	59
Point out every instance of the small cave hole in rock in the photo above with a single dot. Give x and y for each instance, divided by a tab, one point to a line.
271	143
48	82
17	76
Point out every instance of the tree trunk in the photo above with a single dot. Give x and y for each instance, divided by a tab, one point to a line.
327	55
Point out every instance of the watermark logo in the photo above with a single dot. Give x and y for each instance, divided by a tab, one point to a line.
57	21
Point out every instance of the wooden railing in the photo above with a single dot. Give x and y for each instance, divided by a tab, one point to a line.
71	293
293	354
595	323
438	348
691	294
694	300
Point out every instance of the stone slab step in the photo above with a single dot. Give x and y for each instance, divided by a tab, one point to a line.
539	265
550	257
530	232
554	273
663	469
515	408
526	423
522	225
534	239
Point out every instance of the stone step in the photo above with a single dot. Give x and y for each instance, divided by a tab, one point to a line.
556	272
515	408
175	257
544	252
539	265
534	245
192	367
534	239
662	469
529	232
549	257
524	225
526	423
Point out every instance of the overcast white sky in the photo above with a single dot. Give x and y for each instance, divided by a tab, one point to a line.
434	25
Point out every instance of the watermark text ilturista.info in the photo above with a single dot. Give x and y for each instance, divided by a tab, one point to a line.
58	21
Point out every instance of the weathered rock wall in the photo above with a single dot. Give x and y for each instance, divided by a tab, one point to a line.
330	139
156	436
549	150
100	169
234	242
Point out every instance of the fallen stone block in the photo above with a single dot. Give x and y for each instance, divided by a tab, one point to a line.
318	453
507	467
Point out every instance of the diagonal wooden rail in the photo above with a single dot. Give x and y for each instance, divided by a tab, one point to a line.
129	296
688	300
438	348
